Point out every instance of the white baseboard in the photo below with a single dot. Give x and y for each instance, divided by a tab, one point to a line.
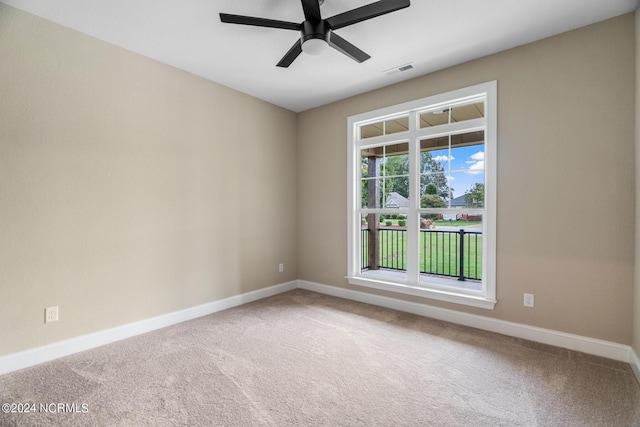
34	356
635	363
587	345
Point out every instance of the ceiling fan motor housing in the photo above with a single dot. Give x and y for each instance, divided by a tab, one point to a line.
315	30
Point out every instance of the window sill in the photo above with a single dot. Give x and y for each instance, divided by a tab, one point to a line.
420	291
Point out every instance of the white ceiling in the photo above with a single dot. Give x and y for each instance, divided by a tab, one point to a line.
432	34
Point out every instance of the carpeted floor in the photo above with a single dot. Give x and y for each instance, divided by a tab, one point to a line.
305	359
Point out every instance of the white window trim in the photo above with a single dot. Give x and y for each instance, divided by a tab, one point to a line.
485	299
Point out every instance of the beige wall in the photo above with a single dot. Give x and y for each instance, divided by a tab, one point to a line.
130	189
565	179
636	299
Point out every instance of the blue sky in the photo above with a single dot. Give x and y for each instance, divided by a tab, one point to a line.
467	166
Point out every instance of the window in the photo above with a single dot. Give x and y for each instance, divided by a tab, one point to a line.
422	197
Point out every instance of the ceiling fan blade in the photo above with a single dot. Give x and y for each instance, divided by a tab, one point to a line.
258	22
311	10
366	12
340	44
290	56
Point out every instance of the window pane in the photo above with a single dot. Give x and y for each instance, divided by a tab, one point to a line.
395	166
432	144
434	178
435	191
370	162
451	246
388	193
370	170
383	245
400	151
396	192
395	160
473	157
434	118
467	176
387	127
388	160
369	131
369	224
459	140
400	124
458	113
385	176
466	139
468	190
461	113
449	167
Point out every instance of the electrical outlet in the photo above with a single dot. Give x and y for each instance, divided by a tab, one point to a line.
51	314
528	300
281	268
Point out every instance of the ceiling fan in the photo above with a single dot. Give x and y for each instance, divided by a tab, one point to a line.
317	33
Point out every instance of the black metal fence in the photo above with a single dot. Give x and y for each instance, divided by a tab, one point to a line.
442	252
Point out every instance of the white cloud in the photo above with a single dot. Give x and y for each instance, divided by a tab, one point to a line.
443	158
450	178
477	163
477	167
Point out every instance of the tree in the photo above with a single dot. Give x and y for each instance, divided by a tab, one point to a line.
475	196
396	172
431	188
432	201
433	173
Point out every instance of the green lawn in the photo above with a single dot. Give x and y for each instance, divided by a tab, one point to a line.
439	252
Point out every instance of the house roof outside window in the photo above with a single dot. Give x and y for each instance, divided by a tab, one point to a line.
459	202
396	200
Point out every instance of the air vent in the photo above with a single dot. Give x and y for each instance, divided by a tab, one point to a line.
399	69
